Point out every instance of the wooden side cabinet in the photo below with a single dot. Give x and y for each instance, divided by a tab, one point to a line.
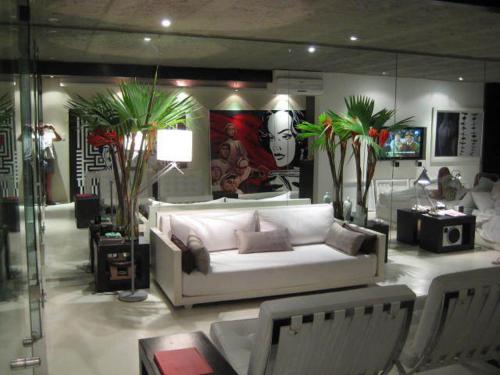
105	276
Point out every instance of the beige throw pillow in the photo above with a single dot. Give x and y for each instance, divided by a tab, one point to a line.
201	254
344	240
262	242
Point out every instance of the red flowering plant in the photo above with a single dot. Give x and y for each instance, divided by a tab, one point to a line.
100	137
369	131
127	122
329	136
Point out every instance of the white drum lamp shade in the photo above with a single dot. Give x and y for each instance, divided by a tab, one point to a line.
174	145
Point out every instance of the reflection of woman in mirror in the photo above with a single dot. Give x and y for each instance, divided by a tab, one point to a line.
47	136
280	133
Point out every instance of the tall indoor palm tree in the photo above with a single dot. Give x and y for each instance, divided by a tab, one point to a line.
330	136
369	130
127	122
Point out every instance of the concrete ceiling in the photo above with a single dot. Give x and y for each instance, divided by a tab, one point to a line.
271	35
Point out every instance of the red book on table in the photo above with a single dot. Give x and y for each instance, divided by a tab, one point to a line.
187	361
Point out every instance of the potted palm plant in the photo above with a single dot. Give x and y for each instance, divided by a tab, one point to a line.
127	123
330	136
369	130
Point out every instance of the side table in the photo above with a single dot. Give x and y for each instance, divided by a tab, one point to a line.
441	234
383	228
408	223
148	347
104	253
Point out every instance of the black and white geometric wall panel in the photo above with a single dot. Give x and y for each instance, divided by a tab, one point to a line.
84	158
9	185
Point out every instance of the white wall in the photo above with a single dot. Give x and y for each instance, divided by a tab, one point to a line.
55	98
415	97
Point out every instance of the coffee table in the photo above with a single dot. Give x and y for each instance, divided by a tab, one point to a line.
148	347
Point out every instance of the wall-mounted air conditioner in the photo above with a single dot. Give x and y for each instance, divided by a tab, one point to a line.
298	86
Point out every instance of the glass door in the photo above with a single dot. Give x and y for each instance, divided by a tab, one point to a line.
21	292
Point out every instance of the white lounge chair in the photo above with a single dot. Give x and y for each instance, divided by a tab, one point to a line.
459	328
360	331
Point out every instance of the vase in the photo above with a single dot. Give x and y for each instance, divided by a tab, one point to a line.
347	209
361	215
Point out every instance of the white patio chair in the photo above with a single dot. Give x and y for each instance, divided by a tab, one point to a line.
459	328
360	331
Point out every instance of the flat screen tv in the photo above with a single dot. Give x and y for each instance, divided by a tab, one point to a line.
407	143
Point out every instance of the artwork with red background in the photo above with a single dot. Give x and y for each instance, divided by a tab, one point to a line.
255	151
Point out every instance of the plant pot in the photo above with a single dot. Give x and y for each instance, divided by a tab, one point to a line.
361	217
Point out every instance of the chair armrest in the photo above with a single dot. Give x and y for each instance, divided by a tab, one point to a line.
167	265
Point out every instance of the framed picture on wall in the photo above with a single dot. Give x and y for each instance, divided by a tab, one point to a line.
255	151
456	135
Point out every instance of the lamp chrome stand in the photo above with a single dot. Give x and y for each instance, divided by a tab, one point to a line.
134	295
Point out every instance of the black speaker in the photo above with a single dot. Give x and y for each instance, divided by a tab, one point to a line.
306	179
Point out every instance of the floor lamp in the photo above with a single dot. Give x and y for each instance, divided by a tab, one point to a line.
173	146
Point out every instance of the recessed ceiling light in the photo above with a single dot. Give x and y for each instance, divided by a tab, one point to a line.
353	38
460	78
384	73
147	39
51	76
53	19
311	49
61	84
166	22
14	83
236	90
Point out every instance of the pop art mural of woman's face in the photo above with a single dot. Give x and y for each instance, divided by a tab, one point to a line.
281	137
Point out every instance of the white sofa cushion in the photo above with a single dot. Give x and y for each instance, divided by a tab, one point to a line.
307	265
238	341
215	229
306	224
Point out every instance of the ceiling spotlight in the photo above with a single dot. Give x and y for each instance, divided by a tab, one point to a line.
236	90
61	84
166	22
353	38
147	39
384	73
311	49
181	83
460	78
51	76
14	83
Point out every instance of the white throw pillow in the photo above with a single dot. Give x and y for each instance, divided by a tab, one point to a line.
215	230
495	191
484	184
306	224
483	200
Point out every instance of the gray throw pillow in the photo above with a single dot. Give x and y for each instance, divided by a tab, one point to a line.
201	254
262	242
369	245
344	240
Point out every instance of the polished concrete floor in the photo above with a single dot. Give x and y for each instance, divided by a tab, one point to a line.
89	333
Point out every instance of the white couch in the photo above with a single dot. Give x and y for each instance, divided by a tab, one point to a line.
157	208
312	265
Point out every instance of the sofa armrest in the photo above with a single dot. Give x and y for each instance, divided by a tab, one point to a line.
167	265
379	248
